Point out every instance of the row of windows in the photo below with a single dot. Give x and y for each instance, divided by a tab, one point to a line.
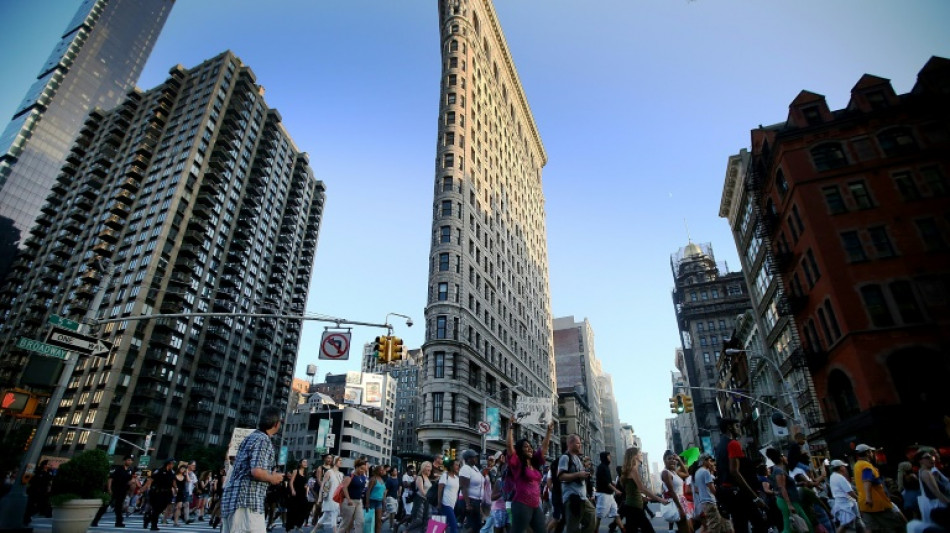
895	141
909	185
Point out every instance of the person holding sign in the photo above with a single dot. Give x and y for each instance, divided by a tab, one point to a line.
525	465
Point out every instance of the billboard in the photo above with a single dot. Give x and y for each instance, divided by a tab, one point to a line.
373	390
353	395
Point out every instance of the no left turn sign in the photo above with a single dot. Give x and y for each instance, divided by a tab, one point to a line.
335	345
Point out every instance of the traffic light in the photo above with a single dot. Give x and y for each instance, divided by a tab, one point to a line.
395	349
19	403
452	453
676	404
687	404
381	347
29	440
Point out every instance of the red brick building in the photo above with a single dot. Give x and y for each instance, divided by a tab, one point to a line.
856	204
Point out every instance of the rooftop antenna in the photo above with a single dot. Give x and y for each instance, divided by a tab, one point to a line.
689	237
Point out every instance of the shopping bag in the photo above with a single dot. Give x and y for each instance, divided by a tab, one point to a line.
670	512
338	495
435	526
369	521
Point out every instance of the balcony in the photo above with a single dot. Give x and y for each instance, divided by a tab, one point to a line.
211	360
216	346
211	374
189	251
203	390
109	236
115	222
120	209
197	421
130	184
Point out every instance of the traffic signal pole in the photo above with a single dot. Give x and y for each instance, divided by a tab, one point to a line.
13	505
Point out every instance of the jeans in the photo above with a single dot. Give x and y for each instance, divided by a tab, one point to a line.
742	510
450	520
523	516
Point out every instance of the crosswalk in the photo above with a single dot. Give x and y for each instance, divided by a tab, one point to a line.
134	523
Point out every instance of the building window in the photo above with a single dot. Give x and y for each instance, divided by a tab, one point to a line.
812	115
446	208
445	234
828	156
930	234
859	191
454	46
447	180
440	364
443	291
448	160
832	319
897	141
907	307
876	306
781	184
437	399
881	242
935	181
450	118
853	246
700	327
904	181
443	262
440	326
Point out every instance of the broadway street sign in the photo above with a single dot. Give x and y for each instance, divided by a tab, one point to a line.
41	348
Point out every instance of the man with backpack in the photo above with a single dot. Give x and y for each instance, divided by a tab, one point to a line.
579	514
733	489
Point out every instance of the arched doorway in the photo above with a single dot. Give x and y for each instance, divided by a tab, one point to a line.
841	393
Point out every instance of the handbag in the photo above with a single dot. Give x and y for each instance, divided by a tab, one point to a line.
670	512
797	524
338	495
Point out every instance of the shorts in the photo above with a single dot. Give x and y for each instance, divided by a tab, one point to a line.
499	518
376	504
887	520
606	505
714	521
243	520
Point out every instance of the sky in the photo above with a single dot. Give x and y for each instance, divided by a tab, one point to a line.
639	104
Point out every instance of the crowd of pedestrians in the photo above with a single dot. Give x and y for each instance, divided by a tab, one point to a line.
517	490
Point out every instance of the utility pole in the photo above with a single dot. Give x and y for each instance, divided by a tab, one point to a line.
13	505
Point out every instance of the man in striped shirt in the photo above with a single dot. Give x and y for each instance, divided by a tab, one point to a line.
242	504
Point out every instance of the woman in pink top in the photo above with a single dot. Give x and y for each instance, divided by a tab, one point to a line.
524	465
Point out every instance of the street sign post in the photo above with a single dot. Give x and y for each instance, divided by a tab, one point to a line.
63	322
41	348
86	344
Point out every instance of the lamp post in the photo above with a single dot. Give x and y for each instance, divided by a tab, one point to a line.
778	371
485	414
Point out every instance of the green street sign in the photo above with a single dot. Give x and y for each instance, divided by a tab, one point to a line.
63	322
41	348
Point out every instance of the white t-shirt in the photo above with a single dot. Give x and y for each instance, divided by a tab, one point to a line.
450	494
840	487
408	487
476	481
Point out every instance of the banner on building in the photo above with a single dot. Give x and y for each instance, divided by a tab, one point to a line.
373	390
237	438
322	430
353	395
493	417
354	378
531	410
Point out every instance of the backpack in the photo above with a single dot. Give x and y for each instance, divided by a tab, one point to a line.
557	495
432	495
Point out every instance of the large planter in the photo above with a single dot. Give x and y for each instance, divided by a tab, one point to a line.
75	516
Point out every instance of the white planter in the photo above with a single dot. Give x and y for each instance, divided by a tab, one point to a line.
75	516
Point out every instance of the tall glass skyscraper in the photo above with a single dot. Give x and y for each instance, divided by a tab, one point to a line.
488	318
96	62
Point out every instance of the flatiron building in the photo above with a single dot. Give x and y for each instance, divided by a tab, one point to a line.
488	314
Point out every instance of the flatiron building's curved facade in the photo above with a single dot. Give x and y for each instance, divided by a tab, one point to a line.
488	313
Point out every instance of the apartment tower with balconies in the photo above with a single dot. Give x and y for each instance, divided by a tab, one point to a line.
186	199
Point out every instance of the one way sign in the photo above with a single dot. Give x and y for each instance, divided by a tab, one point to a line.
77	342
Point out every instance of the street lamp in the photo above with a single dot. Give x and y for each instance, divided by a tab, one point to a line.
778	371
516	388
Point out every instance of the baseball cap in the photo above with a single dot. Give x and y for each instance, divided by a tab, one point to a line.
838	463
861	448
468	454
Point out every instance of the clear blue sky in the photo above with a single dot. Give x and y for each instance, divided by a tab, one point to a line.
639	104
